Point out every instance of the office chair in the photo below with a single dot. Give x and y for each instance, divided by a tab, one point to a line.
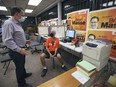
1	43
53	62
5	58
35	44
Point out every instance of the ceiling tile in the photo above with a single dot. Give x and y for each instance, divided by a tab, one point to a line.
24	4
30	7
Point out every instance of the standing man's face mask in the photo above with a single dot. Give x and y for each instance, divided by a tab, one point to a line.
22	19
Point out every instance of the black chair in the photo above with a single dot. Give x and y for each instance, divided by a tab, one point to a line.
5	58
36	44
53	63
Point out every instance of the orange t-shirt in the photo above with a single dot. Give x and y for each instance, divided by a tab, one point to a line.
52	44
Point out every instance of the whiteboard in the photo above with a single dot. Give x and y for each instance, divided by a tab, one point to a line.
60	31
43	30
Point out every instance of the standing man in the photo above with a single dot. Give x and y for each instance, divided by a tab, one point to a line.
14	38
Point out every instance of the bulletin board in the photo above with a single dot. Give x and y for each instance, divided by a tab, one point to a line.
60	30
43	30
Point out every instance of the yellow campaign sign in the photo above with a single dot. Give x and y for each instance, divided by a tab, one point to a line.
109	35
78	19
103	19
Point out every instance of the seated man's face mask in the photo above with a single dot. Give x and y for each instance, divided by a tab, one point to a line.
51	35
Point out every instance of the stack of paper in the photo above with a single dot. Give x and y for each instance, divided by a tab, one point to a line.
86	73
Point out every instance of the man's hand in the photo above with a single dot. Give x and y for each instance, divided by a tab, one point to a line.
51	56
23	51
54	54
28	42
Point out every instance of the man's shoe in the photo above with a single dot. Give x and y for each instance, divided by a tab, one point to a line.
26	85
65	68
28	75
44	71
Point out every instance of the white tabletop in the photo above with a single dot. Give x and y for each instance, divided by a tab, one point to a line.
72	47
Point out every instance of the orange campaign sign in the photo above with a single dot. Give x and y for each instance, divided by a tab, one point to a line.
103	19
78	19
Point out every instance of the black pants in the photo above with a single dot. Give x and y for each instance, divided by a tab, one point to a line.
19	61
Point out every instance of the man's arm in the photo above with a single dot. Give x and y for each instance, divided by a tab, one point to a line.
57	46
55	52
48	50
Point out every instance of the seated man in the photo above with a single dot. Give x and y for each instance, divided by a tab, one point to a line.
52	50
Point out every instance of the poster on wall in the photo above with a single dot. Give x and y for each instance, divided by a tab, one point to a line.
102	24
103	19
109	35
78	19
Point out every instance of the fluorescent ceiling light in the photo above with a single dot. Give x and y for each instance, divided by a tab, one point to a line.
3	8
34	2
28	11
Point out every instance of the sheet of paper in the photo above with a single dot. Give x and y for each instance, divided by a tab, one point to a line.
82	78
